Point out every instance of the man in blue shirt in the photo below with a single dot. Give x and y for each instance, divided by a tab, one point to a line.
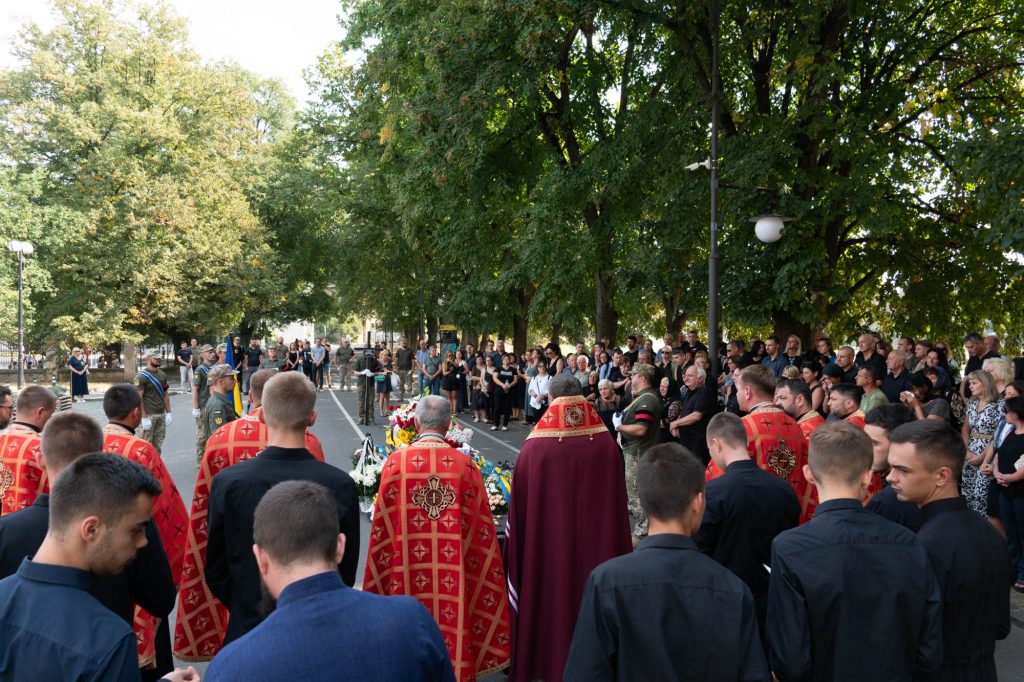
773	356
51	628
421	359
321	629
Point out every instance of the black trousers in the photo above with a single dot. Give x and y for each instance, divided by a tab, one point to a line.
502	407
318	375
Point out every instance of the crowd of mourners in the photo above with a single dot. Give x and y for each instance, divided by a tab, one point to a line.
828	515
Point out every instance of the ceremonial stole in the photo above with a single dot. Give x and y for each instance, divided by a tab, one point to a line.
433	538
202	620
22	475
171	521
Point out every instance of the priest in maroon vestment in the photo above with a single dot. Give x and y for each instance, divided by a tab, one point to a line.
567	515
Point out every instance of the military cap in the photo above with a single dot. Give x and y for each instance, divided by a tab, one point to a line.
219	372
206	348
222	348
149	354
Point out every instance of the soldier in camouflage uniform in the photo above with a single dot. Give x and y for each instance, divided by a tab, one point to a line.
200	395
220	409
638	431
156	402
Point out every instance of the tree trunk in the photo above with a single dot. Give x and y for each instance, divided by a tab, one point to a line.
556	332
431	330
131	359
606	318
520	318
673	318
786	324
471	339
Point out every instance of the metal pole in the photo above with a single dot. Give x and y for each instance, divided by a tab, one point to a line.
21	326
713	253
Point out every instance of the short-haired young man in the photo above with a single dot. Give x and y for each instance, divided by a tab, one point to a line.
231	572
52	628
968	555
320	628
666	611
746	509
878	425
6	407
20	466
827	617
146	582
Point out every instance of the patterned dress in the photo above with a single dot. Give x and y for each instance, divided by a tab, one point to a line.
982	424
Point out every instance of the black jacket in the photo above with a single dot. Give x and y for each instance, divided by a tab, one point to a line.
231	571
852	597
973	569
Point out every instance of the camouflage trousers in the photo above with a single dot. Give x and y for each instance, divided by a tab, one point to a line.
633	497
156	433
345	376
404	383
201	435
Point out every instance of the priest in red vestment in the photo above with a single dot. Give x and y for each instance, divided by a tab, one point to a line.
202	620
22	475
794	397
122	405
433	538
567	515
774	439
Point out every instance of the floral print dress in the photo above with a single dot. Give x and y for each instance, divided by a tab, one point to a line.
982	424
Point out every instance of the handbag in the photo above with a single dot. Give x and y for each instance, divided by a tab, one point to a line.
396	383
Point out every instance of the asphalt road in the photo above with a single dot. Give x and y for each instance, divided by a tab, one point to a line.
340	436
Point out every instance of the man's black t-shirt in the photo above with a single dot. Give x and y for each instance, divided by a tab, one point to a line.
185	355
253	356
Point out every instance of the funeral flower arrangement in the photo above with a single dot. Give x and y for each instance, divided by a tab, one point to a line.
368	461
497	478
402	427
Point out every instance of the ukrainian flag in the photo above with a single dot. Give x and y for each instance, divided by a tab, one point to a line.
229	360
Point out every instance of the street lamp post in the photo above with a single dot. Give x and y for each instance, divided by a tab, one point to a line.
22	249
768	227
713	167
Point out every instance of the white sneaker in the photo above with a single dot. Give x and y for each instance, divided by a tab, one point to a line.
504	428
494	428
476	419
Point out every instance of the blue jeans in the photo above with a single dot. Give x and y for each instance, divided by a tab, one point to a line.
1011	513
423	380
435	386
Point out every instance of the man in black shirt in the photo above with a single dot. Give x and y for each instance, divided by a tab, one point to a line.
895	381
632	350
878	424
746	509
231	571
977	354
699	405
666	611
253	358
404	357
852	596
967	553
868	354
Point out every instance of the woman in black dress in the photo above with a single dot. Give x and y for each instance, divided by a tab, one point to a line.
484	378
449	380
79	376
503	386
307	360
